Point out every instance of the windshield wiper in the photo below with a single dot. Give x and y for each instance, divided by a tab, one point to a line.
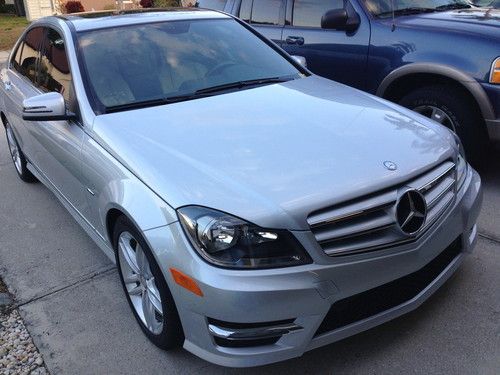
155	102
201	93
134	105
242	84
407	11
453	6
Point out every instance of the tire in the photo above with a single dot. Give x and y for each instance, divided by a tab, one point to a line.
170	335
18	158
465	119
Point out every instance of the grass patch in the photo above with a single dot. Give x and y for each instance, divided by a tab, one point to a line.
10	29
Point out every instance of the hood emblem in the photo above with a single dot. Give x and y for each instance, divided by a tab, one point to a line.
411	212
390	165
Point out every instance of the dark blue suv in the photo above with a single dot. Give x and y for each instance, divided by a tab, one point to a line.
438	57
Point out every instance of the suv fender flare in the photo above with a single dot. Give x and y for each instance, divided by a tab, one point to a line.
454	74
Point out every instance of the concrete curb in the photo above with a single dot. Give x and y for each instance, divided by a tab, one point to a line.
4	55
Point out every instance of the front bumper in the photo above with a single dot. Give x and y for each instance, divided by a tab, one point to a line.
303	296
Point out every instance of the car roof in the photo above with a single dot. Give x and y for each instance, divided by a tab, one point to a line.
97	20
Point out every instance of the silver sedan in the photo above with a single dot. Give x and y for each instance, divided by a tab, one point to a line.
255	211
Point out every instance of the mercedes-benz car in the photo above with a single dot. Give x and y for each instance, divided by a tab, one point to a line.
255	211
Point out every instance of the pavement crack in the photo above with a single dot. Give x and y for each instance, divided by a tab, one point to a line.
491	238
82	280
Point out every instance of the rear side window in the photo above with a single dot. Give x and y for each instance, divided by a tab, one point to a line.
27	54
261	12
54	74
308	13
211	4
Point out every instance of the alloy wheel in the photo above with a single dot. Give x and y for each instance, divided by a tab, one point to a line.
140	283
14	150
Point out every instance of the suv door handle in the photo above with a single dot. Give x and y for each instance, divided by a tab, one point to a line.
7	85
295	40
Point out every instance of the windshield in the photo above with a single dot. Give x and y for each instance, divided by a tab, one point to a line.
149	63
383	8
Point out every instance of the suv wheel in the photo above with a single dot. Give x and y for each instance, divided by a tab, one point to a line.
453	109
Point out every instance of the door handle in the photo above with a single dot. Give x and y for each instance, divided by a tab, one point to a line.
295	40
7	85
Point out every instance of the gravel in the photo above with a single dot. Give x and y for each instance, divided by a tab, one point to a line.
18	354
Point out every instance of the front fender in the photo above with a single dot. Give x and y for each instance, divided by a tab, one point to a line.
144	208
452	73
114	187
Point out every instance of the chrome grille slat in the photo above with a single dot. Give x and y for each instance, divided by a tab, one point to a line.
326	238
370	224
352	210
362	245
444	170
432	201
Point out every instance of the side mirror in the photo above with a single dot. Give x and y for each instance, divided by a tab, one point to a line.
46	107
339	19
301	60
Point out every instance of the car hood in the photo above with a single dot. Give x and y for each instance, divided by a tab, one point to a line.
485	22
275	153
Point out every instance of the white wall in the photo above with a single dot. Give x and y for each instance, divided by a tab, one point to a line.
38	8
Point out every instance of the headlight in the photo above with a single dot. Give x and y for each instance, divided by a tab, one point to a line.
495	72
228	241
461	164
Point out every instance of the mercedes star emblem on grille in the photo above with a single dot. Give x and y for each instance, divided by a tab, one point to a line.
411	212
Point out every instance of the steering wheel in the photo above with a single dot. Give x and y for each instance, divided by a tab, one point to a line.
219	68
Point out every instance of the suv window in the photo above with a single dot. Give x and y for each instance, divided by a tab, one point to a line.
246	10
308	13
211	4
262	12
54	73
27	54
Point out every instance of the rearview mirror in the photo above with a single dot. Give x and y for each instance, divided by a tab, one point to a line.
301	60
339	19
46	107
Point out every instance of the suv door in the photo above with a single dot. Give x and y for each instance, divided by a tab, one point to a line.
336	54
267	16
19	84
57	144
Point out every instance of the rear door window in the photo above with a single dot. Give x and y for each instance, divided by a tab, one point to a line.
266	12
308	13
211	4
27	55
246	10
261	12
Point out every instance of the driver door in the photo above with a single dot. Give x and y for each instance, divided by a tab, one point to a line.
57	145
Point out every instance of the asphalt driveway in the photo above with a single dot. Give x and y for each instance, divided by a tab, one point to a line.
70	297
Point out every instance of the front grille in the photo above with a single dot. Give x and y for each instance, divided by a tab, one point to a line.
370	223
387	296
